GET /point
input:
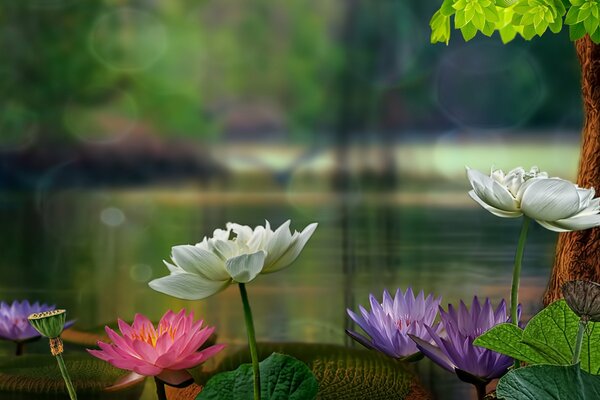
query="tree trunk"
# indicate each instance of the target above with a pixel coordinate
(578, 253)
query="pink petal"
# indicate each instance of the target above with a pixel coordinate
(147, 369)
(125, 328)
(198, 358)
(145, 351)
(142, 322)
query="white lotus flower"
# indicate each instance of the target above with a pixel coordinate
(236, 254)
(556, 204)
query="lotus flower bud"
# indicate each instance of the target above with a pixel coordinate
(49, 323)
(583, 297)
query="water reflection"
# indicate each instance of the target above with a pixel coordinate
(93, 252)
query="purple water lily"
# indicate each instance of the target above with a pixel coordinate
(14, 325)
(456, 351)
(389, 323)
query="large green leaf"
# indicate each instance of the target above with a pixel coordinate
(282, 377)
(343, 373)
(548, 338)
(549, 382)
(38, 377)
(506, 339)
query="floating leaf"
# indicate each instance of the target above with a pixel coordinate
(281, 377)
(343, 373)
(548, 338)
(549, 382)
(38, 377)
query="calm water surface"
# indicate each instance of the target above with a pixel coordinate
(93, 252)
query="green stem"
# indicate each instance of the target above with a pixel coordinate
(66, 377)
(251, 340)
(514, 293)
(578, 342)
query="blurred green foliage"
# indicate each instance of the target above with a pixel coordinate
(100, 69)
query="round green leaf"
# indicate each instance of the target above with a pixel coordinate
(343, 373)
(281, 377)
(38, 377)
(549, 382)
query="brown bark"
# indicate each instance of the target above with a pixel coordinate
(578, 253)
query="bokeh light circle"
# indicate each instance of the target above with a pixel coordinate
(102, 123)
(489, 86)
(141, 273)
(128, 39)
(112, 216)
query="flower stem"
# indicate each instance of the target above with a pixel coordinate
(251, 340)
(514, 294)
(66, 377)
(161, 393)
(481, 390)
(20, 348)
(578, 342)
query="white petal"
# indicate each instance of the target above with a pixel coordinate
(493, 210)
(174, 269)
(550, 199)
(293, 251)
(278, 244)
(187, 286)
(225, 249)
(578, 223)
(196, 260)
(551, 226)
(243, 232)
(244, 268)
(491, 192)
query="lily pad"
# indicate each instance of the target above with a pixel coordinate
(282, 377)
(550, 382)
(38, 377)
(342, 373)
(548, 338)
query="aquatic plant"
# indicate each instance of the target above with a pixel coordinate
(163, 352)
(236, 254)
(456, 352)
(15, 326)
(50, 324)
(388, 324)
(556, 204)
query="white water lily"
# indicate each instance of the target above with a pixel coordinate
(236, 254)
(556, 204)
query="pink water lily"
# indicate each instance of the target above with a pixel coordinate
(171, 346)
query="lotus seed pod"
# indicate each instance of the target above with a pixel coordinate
(49, 323)
(583, 297)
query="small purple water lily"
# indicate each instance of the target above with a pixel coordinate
(14, 325)
(389, 323)
(456, 351)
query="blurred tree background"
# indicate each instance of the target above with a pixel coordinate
(97, 70)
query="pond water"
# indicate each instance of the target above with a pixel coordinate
(93, 252)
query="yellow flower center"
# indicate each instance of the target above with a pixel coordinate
(150, 335)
